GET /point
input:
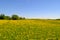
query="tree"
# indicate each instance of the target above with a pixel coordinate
(7, 17)
(15, 17)
(22, 17)
(2, 16)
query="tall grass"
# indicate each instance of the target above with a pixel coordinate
(29, 30)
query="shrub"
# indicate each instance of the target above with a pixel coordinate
(7, 17)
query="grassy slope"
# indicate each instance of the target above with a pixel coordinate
(29, 29)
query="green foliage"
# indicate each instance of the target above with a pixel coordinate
(2, 16)
(57, 19)
(15, 17)
(7, 17)
(22, 17)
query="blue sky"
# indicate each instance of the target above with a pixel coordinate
(31, 8)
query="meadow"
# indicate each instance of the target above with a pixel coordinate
(29, 29)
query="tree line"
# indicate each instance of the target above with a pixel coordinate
(13, 17)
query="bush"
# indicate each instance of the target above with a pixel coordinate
(57, 19)
(7, 17)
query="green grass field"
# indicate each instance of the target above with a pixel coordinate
(29, 30)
